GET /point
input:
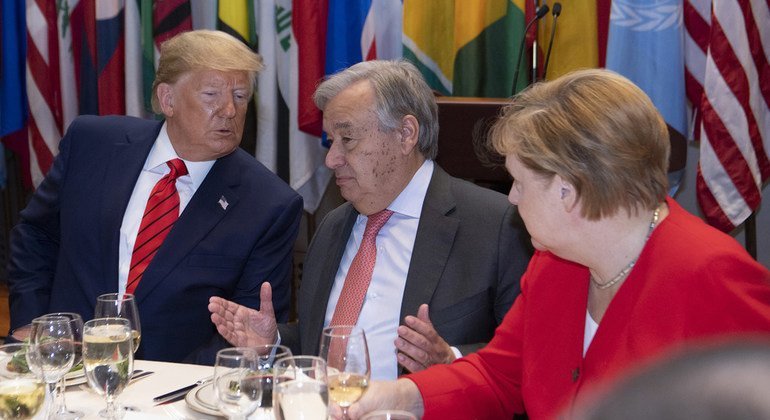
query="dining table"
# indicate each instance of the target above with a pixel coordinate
(138, 396)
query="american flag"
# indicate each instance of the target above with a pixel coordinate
(728, 82)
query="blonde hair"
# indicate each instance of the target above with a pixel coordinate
(203, 50)
(598, 131)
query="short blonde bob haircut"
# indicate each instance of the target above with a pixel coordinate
(203, 50)
(596, 130)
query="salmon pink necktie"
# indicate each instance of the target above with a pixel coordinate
(360, 273)
(161, 213)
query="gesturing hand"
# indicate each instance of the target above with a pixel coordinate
(419, 345)
(242, 326)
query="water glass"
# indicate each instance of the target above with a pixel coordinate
(300, 389)
(237, 383)
(60, 410)
(120, 305)
(51, 353)
(267, 355)
(108, 360)
(22, 393)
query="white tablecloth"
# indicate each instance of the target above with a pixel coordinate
(139, 395)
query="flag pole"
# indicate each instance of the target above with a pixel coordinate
(750, 228)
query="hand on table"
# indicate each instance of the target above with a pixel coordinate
(401, 394)
(242, 326)
(419, 345)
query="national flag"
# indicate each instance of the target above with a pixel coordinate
(236, 17)
(465, 48)
(45, 118)
(68, 80)
(577, 39)
(13, 99)
(281, 146)
(735, 128)
(645, 44)
(697, 20)
(309, 23)
(110, 53)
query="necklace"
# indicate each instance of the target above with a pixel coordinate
(624, 272)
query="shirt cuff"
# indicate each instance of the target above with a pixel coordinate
(457, 353)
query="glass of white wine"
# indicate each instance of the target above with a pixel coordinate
(108, 360)
(22, 392)
(300, 389)
(120, 305)
(347, 359)
(51, 353)
(237, 382)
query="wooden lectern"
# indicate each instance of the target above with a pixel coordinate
(461, 120)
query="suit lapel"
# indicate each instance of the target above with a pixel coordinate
(125, 164)
(432, 245)
(202, 213)
(340, 230)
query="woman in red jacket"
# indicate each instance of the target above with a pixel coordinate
(622, 274)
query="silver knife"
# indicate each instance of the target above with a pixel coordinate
(178, 394)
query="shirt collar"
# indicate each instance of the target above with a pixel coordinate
(162, 151)
(409, 202)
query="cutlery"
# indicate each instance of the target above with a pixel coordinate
(139, 375)
(178, 394)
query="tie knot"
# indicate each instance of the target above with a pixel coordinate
(178, 168)
(376, 221)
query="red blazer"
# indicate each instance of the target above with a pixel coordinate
(690, 283)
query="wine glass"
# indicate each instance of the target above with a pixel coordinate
(120, 305)
(267, 355)
(108, 359)
(347, 359)
(300, 388)
(237, 383)
(51, 353)
(22, 393)
(60, 405)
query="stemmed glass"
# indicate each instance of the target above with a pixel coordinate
(51, 353)
(120, 305)
(347, 358)
(22, 393)
(108, 359)
(237, 383)
(300, 388)
(267, 355)
(60, 405)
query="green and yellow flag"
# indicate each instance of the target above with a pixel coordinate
(465, 48)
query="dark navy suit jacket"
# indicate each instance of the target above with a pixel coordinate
(64, 251)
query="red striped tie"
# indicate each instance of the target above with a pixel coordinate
(159, 216)
(360, 273)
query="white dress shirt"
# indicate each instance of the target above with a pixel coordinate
(153, 170)
(382, 305)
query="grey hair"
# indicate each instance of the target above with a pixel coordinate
(399, 90)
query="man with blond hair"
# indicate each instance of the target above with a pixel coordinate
(171, 211)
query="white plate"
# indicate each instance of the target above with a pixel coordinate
(203, 400)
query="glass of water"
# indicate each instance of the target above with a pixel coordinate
(300, 389)
(237, 383)
(108, 360)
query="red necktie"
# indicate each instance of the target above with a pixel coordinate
(360, 273)
(159, 216)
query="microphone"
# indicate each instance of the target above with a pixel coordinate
(556, 12)
(539, 13)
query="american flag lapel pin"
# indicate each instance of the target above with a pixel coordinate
(223, 202)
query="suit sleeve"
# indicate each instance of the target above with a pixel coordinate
(513, 251)
(34, 244)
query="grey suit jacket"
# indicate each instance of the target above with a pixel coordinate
(470, 251)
